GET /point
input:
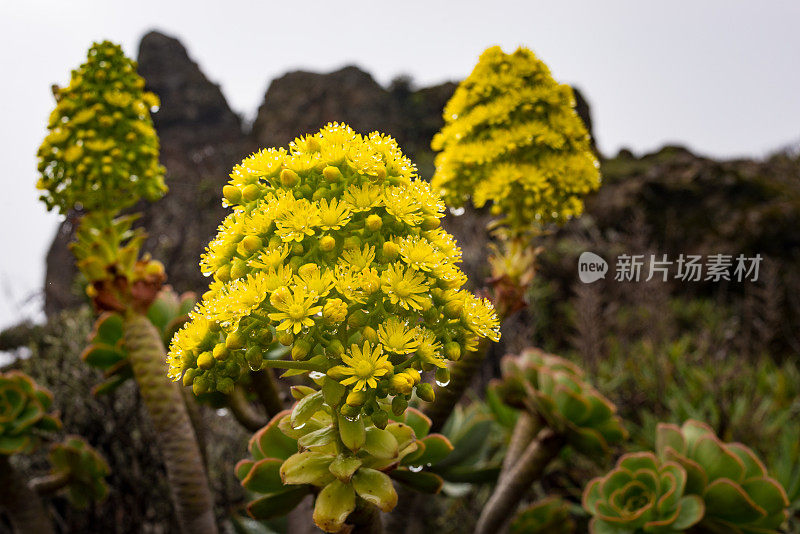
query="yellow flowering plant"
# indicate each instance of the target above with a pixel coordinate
(101, 151)
(100, 156)
(334, 248)
(512, 138)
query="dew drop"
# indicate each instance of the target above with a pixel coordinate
(315, 375)
(299, 427)
(442, 383)
(415, 468)
(457, 212)
(351, 418)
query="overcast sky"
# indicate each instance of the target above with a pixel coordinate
(719, 76)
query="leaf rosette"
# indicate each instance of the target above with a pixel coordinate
(554, 389)
(740, 497)
(642, 494)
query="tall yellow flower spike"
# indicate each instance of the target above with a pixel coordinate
(101, 152)
(333, 247)
(512, 138)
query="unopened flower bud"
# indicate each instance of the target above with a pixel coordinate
(399, 405)
(327, 243)
(285, 338)
(425, 392)
(332, 174)
(280, 296)
(370, 334)
(234, 340)
(205, 360)
(453, 308)
(251, 192)
(232, 194)
(220, 351)
(289, 178)
(380, 419)
(430, 222)
(334, 311)
(300, 349)
(374, 222)
(356, 398)
(390, 250)
(251, 243)
(452, 351)
(254, 357)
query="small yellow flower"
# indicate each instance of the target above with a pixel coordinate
(401, 205)
(479, 316)
(313, 281)
(419, 253)
(428, 349)
(299, 222)
(333, 215)
(405, 287)
(295, 310)
(365, 366)
(396, 337)
(362, 198)
(359, 259)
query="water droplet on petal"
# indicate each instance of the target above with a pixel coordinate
(415, 468)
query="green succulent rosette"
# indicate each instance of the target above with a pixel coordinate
(547, 516)
(554, 389)
(83, 467)
(101, 152)
(642, 494)
(346, 463)
(512, 138)
(24, 416)
(334, 248)
(740, 497)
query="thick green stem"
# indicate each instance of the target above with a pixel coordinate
(524, 432)
(267, 392)
(174, 433)
(244, 412)
(291, 364)
(511, 488)
(366, 519)
(461, 374)
(23, 506)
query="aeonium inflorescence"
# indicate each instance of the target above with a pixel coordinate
(512, 138)
(334, 247)
(101, 152)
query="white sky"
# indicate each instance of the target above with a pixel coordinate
(720, 76)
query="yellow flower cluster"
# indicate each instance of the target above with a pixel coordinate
(512, 137)
(101, 151)
(333, 247)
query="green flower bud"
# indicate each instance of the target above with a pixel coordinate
(289, 178)
(356, 398)
(234, 340)
(220, 351)
(380, 419)
(335, 348)
(425, 392)
(332, 174)
(358, 319)
(350, 411)
(374, 222)
(399, 405)
(251, 243)
(327, 243)
(225, 386)
(232, 194)
(390, 250)
(453, 309)
(370, 334)
(452, 351)
(254, 357)
(300, 349)
(251, 192)
(205, 360)
(430, 222)
(285, 338)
